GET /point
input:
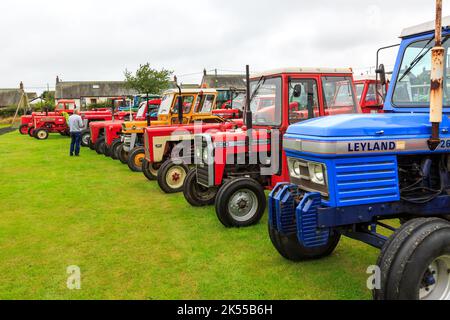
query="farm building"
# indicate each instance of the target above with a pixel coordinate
(223, 81)
(11, 97)
(91, 92)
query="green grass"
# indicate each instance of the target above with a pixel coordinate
(131, 241)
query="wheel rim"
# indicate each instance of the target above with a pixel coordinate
(175, 177)
(23, 129)
(436, 281)
(86, 139)
(243, 205)
(41, 134)
(138, 159)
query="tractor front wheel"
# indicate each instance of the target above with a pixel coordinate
(290, 248)
(122, 154)
(23, 129)
(171, 176)
(415, 262)
(150, 170)
(240, 202)
(31, 131)
(100, 145)
(135, 158)
(113, 148)
(196, 194)
(85, 138)
(41, 134)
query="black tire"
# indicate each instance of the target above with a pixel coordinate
(135, 159)
(171, 176)
(122, 155)
(107, 152)
(291, 249)
(40, 134)
(23, 129)
(406, 259)
(150, 170)
(247, 187)
(113, 148)
(197, 195)
(85, 138)
(99, 145)
(31, 131)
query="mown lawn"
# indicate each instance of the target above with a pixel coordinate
(131, 241)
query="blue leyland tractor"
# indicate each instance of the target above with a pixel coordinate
(351, 174)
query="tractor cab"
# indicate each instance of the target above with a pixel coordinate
(351, 174)
(65, 106)
(233, 168)
(370, 94)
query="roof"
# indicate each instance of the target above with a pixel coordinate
(302, 70)
(79, 89)
(224, 81)
(32, 95)
(187, 90)
(424, 27)
(365, 77)
(10, 97)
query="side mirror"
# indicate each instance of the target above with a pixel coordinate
(297, 90)
(382, 72)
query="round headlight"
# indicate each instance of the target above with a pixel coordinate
(296, 168)
(317, 173)
(205, 155)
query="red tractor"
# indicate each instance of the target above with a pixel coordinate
(104, 135)
(234, 168)
(370, 94)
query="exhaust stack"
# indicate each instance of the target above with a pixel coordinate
(437, 81)
(248, 111)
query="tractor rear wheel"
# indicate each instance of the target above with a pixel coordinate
(196, 194)
(150, 170)
(171, 176)
(116, 143)
(31, 131)
(85, 138)
(41, 134)
(135, 158)
(240, 202)
(415, 262)
(23, 129)
(122, 154)
(100, 145)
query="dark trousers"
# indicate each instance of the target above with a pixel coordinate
(75, 143)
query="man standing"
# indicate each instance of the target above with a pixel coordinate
(76, 126)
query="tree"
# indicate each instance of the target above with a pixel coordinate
(148, 80)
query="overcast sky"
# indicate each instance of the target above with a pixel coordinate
(98, 40)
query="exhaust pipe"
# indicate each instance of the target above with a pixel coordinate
(437, 81)
(248, 111)
(180, 101)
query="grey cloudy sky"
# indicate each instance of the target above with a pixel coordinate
(97, 40)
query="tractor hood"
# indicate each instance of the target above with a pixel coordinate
(364, 125)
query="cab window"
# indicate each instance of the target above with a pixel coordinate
(208, 102)
(339, 96)
(188, 102)
(303, 100)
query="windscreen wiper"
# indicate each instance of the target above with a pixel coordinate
(258, 86)
(417, 59)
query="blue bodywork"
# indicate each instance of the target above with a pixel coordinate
(360, 154)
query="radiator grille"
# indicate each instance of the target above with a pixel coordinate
(366, 180)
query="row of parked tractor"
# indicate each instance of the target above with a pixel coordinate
(334, 160)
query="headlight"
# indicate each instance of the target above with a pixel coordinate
(317, 173)
(205, 155)
(294, 168)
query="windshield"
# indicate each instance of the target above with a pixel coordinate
(166, 104)
(266, 104)
(339, 97)
(412, 88)
(359, 90)
(141, 111)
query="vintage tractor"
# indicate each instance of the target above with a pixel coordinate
(197, 105)
(233, 168)
(370, 94)
(104, 136)
(351, 173)
(95, 116)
